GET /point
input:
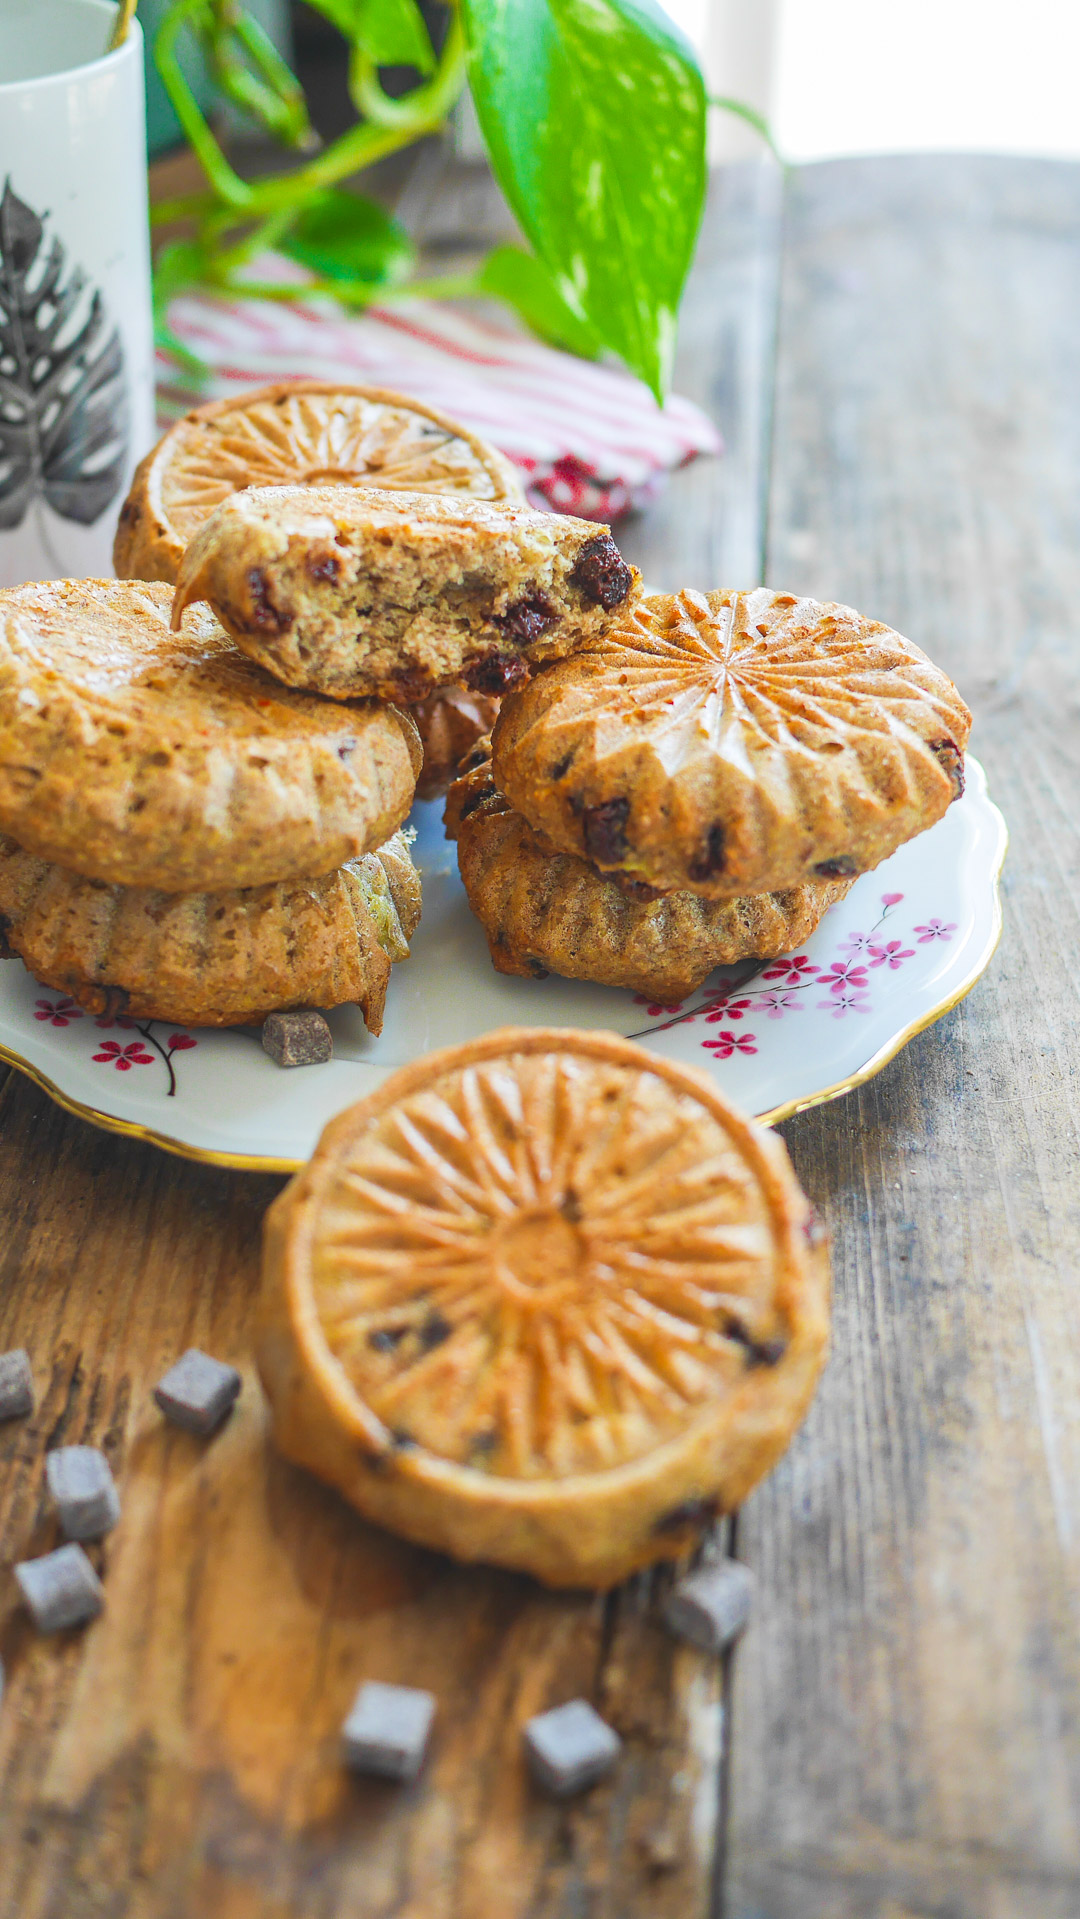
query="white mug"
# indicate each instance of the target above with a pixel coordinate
(76, 334)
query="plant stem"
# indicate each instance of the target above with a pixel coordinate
(226, 183)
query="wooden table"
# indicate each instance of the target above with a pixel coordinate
(894, 356)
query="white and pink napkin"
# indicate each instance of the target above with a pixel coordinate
(588, 439)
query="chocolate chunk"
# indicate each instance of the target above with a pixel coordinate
(495, 673)
(7, 951)
(346, 748)
(387, 1730)
(843, 869)
(692, 1512)
(83, 1491)
(264, 613)
(604, 827)
(601, 574)
(712, 860)
(198, 1392)
(525, 621)
(951, 761)
(570, 1747)
(480, 755)
(16, 1384)
(535, 966)
(297, 1039)
(710, 1607)
(562, 767)
(324, 566)
(60, 1589)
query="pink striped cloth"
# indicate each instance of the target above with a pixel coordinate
(588, 439)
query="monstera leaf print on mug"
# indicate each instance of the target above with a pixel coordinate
(76, 335)
(64, 413)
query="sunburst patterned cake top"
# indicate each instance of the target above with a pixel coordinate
(730, 743)
(547, 1265)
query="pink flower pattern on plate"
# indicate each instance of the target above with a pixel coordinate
(843, 976)
(794, 971)
(775, 1005)
(936, 930)
(59, 1012)
(843, 1002)
(892, 955)
(653, 1008)
(725, 1044)
(723, 1008)
(124, 1057)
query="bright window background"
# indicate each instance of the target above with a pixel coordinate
(878, 76)
(893, 76)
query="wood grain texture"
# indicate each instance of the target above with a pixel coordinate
(180, 1758)
(906, 1709)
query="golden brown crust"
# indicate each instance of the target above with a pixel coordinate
(732, 743)
(148, 758)
(545, 1300)
(450, 724)
(294, 432)
(548, 912)
(212, 959)
(358, 590)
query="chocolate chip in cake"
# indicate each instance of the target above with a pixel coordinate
(528, 619)
(264, 613)
(712, 860)
(842, 869)
(692, 1512)
(951, 761)
(495, 673)
(604, 828)
(324, 567)
(601, 573)
(482, 793)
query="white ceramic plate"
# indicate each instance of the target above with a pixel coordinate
(907, 943)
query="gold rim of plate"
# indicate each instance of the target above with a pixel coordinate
(265, 1163)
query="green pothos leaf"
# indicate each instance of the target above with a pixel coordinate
(594, 115)
(391, 32)
(348, 238)
(525, 283)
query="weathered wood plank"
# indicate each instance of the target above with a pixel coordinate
(906, 1715)
(180, 1758)
(706, 529)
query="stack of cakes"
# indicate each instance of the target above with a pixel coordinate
(182, 838)
(316, 433)
(697, 785)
